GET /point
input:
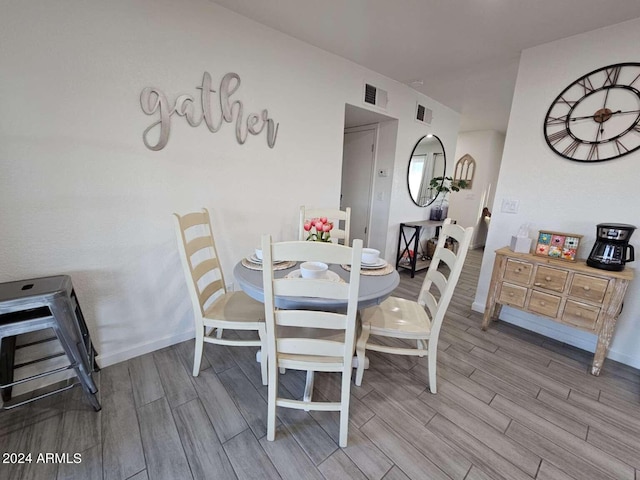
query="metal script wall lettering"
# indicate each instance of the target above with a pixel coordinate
(154, 101)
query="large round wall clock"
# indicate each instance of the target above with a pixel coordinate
(597, 117)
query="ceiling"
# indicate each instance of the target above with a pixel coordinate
(462, 53)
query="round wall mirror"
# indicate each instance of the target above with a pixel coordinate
(426, 162)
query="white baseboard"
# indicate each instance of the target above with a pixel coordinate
(477, 307)
(556, 331)
(142, 348)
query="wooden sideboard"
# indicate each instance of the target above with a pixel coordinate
(570, 293)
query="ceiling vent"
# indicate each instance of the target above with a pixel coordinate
(375, 96)
(423, 114)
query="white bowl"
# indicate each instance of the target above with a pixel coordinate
(259, 253)
(370, 255)
(313, 269)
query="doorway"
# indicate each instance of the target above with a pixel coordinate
(367, 176)
(358, 166)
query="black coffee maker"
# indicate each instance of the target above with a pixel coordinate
(612, 250)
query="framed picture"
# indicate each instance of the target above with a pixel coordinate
(563, 246)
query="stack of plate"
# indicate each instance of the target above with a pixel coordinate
(380, 263)
(253, 259)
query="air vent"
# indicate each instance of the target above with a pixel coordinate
(423, 114)
(375, 96)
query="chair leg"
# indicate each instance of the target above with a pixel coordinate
(344, 406)
(272, 396)
(219, 332)
(361, 347)
(431, 361)
(264, 366)
(197, 355)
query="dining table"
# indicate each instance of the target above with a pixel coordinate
(376, 284)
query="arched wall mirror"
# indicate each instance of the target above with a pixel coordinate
(427, 160)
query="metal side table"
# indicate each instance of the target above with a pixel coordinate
(408, 247)
(38, 304)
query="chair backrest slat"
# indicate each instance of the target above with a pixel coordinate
(199, 243)
(306, 346)
(204, 267)
(311, 319)
(299, 287)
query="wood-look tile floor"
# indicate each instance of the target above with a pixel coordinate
(510, 405)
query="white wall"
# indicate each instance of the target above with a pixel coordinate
(80, 194)
(486, 147)
(559, 194)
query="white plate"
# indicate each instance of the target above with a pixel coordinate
(253, 259)
(379, 264)
(329, 275)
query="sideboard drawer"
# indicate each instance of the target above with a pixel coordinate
(550, 278)
(512, 295)
(544, 304)
(588, 288)
(580, 314)
(519, 272)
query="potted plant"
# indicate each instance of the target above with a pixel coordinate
(442, 186)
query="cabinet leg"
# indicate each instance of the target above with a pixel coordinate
(490, 313)
(604, 340)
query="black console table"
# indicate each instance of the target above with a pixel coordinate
(405, 244)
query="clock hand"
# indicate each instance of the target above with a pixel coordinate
(619, 112)
(604, 105)
(573, 119)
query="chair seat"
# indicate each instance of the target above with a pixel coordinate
(398, 317)
(237, 308)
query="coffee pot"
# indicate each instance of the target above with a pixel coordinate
(612, 250)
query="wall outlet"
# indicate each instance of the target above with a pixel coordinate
(509, 205)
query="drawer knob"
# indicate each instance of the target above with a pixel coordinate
(518, 270)
(578, 314)
(548, 279)
(586, 288)
(542, 304)
(511, 294)
(538, 284)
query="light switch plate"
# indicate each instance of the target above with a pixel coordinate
(509, 205)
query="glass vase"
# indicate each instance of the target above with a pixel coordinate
(439, 211)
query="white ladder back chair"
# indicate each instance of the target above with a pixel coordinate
(339, 233)
(215, 309)
(310, 340)
(419, 321)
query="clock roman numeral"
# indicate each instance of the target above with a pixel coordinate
(593, 152)
(618, 145)
(557, 120)
(612, 75)
(571, 149)
(558, 136)
(571, 103)
(586, 84)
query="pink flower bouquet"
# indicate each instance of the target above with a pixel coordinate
(319, 229)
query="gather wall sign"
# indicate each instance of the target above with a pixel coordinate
(155, 102)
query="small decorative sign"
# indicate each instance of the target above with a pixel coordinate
(155, 102)
(558, 245)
